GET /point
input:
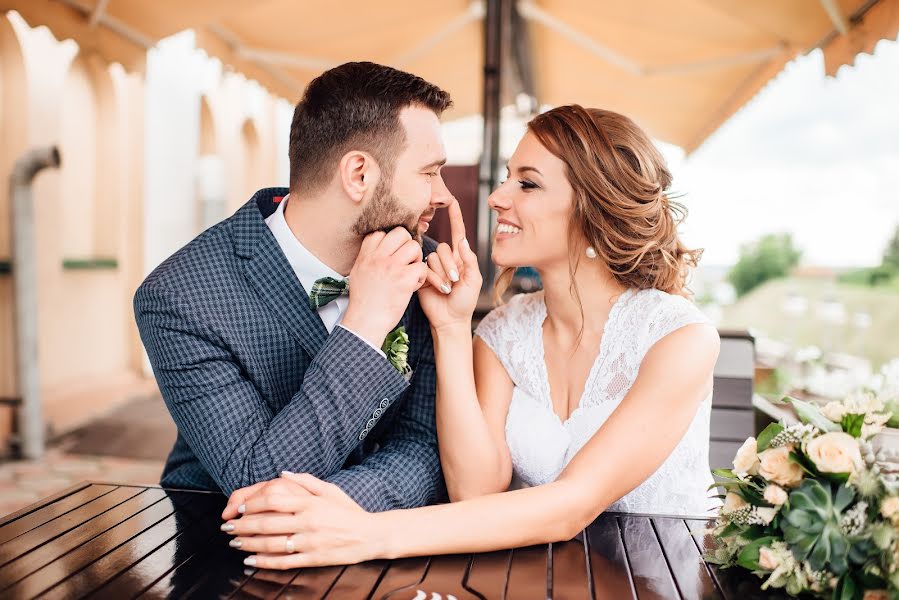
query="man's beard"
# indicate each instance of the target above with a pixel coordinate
(384, 213)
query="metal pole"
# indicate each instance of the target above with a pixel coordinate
(493, 46)
(24, 272)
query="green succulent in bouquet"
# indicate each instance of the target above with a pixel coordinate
(813, 525)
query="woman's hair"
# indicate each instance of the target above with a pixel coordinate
(621, 203)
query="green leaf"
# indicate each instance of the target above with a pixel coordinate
(724, 473)
(767, 434)
(749, 556)
(845, 496)
(846, 589)
(811, 414)
(852, 424)
(804, 463)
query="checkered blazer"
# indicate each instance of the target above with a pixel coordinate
(256, 385)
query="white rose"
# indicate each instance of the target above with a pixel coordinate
(766, 514)
(775, 465)
(768, 559)
(834, 452)
(747, 460)
(890, 507)
(774, 494)
(833, 411)
(733, 502)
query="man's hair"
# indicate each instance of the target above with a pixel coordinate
(355, 106)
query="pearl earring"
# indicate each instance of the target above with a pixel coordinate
(591, 253)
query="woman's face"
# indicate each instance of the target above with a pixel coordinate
(533, 208)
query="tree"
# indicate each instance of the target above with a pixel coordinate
(770, 257)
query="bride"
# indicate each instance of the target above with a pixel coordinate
(593, 394)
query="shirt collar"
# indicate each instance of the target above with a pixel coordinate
(307, 267)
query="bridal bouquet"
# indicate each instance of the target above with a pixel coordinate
(814, 507)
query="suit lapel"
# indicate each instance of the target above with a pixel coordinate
(267, 270)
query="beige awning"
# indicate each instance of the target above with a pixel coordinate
(680, 68)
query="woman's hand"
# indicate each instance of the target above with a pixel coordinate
(284, 529)
(454, 279)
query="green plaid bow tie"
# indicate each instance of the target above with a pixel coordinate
(326, 289)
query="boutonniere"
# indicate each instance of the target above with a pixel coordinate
(396, 347)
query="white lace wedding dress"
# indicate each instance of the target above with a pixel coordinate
(541, 444)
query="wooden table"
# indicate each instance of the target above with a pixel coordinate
(124, 541)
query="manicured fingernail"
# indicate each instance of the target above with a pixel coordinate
(242, 508)
(235, 543)
(446, 288)
(465, 242)
(249, 572)
(286, 472)
(250, 561)
(227, 527)
(454, 275)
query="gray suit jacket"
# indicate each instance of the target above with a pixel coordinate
(256, 385)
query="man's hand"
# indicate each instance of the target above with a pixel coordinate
(387, 272)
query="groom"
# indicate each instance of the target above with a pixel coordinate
(265, 332)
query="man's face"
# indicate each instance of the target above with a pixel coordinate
(409, 196)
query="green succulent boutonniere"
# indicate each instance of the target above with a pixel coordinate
(396, 347)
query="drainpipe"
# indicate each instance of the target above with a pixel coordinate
(24, 272)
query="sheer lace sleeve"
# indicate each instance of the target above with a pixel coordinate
(670, 314)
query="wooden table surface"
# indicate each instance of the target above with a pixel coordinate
(123, 541)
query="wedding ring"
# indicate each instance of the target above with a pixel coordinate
(288, 545)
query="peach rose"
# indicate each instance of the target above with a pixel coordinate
(834, 452)
(774, 494)
(767, 558)
(747, 460)
(733, 502)
(775, 465)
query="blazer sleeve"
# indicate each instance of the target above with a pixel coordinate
(405, 471)
(227, 423)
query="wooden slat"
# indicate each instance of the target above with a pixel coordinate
(488, 574)
(609, 570)
(104, 557)
(308, 583)
(693, 578)
(148, 555)
(569, 571)
(652, 578)
(402, 575)
(446, 576)
(358, 581)
(528, 573)
(5, 520)
(266, 584)
(31, 551)
(37, 517)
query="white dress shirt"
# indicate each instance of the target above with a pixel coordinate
(308, 268)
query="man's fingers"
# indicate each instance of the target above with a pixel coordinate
(394, 240)
(371, 241)
(409, 253)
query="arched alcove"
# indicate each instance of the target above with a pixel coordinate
(253, 175)
(88, 202)
(210, 176)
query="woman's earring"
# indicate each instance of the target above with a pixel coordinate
(591, 253)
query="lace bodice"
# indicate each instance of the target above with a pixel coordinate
(541, 445)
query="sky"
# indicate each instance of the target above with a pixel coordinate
(811, 155)
(814, 156)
